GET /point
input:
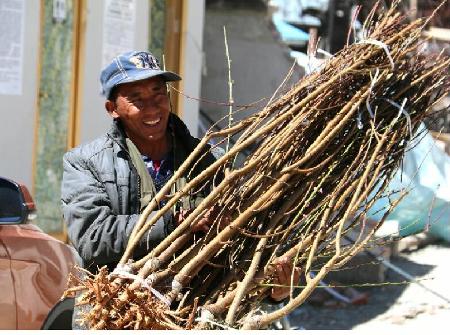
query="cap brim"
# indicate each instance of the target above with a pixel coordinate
(142, 75)
(166, 75)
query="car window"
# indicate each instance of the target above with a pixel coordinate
(10, 202)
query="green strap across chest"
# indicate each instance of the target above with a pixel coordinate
(148, 190)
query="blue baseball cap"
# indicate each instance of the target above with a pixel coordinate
(132, 66)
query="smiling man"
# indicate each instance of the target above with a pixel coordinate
(108, 182)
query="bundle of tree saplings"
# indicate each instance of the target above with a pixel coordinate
(321, 155)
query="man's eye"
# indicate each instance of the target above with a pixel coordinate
(137, 103)
(154, 99)
(159, 88)
(160, 94)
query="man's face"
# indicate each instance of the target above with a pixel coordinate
(143, 108)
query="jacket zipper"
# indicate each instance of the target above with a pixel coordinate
(138, 201)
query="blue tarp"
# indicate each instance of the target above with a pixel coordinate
(425, 173)
(288, 33)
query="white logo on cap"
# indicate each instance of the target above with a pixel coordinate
(144, 61)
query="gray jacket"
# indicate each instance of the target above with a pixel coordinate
(101, 196)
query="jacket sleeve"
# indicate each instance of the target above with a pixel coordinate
(98, 234)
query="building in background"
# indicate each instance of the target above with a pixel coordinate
(51, 55)
(259, 62)
(52, 52)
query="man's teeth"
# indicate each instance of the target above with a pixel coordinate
(153, 122)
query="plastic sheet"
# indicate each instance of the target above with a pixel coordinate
(425, 173)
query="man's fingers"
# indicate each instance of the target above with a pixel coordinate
(201, 225)
(212, 212)
(208, 219)
(287, 269)
(284, 270)
(283, 275)
(181, 215)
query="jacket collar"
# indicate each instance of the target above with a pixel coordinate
(117, 134)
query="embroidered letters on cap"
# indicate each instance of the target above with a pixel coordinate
(143, 60)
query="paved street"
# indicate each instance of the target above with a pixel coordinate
(392, 307)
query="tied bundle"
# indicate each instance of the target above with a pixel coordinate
(321, 155)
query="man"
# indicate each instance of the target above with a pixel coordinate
(109, 181)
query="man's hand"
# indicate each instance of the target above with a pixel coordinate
(205, 222)
(283, 275)
(181, 215)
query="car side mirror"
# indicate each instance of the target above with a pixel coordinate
(16, 203)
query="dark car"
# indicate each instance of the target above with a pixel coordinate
(34, 266)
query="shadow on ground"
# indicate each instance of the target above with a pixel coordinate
(344, 316)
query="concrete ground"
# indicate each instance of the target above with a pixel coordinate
(392, 307)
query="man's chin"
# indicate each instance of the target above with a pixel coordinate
(155, 137)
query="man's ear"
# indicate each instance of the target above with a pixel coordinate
(110, 107)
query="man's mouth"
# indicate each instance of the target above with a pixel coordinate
(152, 122)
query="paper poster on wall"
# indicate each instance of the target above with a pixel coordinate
(12, 26)
(119, 22)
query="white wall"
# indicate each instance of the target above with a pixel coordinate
(192, 62)
(93, 119)
(18, 112)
